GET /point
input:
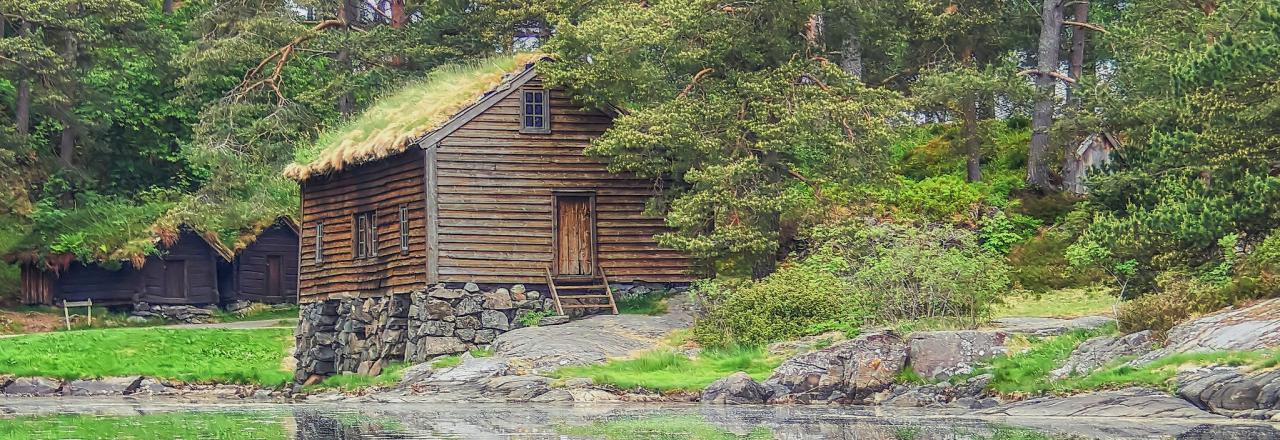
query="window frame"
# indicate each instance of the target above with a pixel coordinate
(404, 229)
(529, 110)
(364, 235)
(319, 252)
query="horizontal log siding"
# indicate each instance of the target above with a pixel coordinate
(251, 266)
(383, 186)
(495, 193)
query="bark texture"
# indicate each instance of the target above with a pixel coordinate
(1042, 118)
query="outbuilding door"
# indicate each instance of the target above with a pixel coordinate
(575, 250)
(275, 276)
(175, 278)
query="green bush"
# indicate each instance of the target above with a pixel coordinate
(1178, 297)
(1040, 265)
(858, 274)
(781, 306)
(940, 198)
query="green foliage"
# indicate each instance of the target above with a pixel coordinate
(1028, 371)
(942, 198)
(1000, 232)
(859, 275)
(532, 319)
(104, 229)
(739, 147)
(350, 382)
(448, 361)
(652, 304)
(190, 355)
(663, 370)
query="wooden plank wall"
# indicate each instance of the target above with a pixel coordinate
(202, 273)
(79, 282)
(495, 198)
(334, 199)
(251, 266)
(37, 285)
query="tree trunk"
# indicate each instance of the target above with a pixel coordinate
(1071, 172)
(346, 100)
(167, 7)
(813, 32)
(67, 141)
(22, 108)
(398, 19)
(969, 113)
(1042, 118)
(851, 55)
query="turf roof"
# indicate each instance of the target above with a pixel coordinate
(394, 122)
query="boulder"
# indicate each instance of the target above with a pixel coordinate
(469, 322)
(468, 305)
(1231, 391)
(33, 386)
(1129, 402)
(495, 320)
(436, 328)
(446, 294)
(485, 336)
(471, 287)
(736, 389)
(942, 354)
(553, 320)
(436, 310)
(1254, 327)
(466, 334)
(152, 386)
(473, 369)
(498, 300)
(848, 370)
(432, 346)
(1099, 351)
(111, 386)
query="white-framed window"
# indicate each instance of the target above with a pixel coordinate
(364, 234)
(404, 229)
(319, 242)
(535, 111)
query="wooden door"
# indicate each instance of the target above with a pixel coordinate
(275, 276)
(175, 279)
(575, 252)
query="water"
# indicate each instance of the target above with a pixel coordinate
(124, 419)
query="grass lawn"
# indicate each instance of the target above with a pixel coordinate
(664, 370)
(190, 355)
(258, 312)
(1027, 371)
(651, 305)
(1065, 303)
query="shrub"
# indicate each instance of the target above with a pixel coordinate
(998, 233)
(783, 305)
(1178, 297)
(940, 198)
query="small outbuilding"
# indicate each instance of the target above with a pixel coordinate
(1092, 153)
(266, 269)
(185, 271)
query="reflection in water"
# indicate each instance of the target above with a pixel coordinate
(133, 420)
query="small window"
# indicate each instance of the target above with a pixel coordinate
(404, 229)
(364, 235)
(319, 242)
(534, 114)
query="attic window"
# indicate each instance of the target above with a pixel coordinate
(534, 114)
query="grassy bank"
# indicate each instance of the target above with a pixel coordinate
(228, 426)
(190, 355)
(664, 370)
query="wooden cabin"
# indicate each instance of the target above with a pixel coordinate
(495, 191)
(185, 272)
(265, 270)
(1092, 154)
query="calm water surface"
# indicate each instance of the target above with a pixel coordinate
(58, 419)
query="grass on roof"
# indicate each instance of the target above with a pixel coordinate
(387, 126)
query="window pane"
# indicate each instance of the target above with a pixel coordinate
(528, 96)
(529, 109)
(537, 96)
(537, 122)
(528, 121)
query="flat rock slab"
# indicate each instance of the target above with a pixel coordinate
(1101, 350)
(1129, 402)
(1254, 327)
(942, 354)
(472, 369)
(33, 386)
(590, 340)
(111, 386)
(1038, 326)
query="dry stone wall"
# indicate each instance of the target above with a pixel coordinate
(363, 335)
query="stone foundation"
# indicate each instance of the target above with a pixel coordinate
(182, 313)
(362, 335)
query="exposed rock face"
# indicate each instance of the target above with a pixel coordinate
(847, 371)
(942, 354)
(1129, 402)
(1229, 391)
(736, 389)
(1101, 350)
(1038, 326)
(970, 394)
(1248, 328)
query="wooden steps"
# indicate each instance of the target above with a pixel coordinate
(582, 292)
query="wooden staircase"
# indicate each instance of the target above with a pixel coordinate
(591, 292)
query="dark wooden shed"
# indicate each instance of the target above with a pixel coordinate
(266, 270)
(496, 191)
(185, 272)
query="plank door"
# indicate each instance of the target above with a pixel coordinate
(275, 276)
(575, 250)
(175, 278)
